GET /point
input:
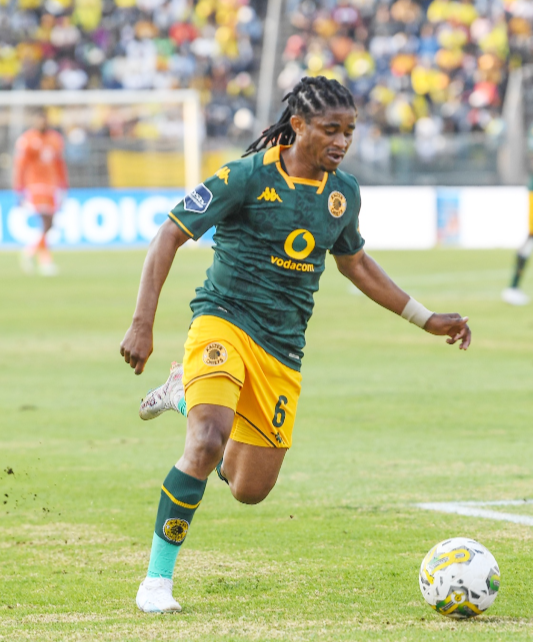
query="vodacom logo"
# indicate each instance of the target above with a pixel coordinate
(298, 238)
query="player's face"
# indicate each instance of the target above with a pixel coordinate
(40, 122)
(326, 138)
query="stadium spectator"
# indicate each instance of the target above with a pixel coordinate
(442, 62)
(40, 179)
(136, 44)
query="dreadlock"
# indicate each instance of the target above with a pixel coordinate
(310, 97)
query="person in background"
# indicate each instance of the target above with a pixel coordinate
(40, 179)
(513, 294)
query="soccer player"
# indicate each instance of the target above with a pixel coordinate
(277, 212)
(513, 294)
(40, 178)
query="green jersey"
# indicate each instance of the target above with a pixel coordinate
(272, 234)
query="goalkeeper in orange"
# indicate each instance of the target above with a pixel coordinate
(40, 179)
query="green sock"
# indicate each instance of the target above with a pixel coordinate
(182, 406)
(519, 269)
(181, 495)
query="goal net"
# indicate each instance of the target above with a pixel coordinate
(130, 155)
(113, 138)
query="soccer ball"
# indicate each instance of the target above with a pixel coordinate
(459, 578)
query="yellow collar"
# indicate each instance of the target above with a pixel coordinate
(273, 154)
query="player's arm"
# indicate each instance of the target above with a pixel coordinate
(19, 165)
(207, 205)
(372, 280)
(61, 165)
(137, 345)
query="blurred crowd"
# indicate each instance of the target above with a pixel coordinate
(137, 44)
(429, 67)
(425, 66)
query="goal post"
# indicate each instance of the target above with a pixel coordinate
(515, 159)
(16, 102)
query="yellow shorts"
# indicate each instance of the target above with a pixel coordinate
(224, 366)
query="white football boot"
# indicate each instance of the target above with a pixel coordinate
(48, 269)
(514, 296)
(169, 396)
(155, 596)
(27, 262)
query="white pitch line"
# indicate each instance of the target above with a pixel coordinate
(467, 509)
(499, 502)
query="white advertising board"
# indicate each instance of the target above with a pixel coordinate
(395, 218)
(491, 217)
(392, 218)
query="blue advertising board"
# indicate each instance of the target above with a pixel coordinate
(114, 218)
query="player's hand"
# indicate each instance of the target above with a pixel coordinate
(137, 345)
(453, 325)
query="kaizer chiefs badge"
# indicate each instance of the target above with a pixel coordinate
(175, 530)
(336, 204)
(215, 354)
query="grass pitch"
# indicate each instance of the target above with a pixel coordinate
(388, 417)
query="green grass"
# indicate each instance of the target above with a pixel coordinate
(389, 416)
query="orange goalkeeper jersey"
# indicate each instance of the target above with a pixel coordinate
(40, 169)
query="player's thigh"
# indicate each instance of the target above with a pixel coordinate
(266, 412)
(213, 376)
(47, 221)
(212, 353)
(252, 471)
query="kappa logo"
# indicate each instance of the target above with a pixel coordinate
(215, 354)
(270, 195)
(175, 530)
(223, 174)
(337, 204)
(198, 200)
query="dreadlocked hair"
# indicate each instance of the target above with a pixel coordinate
(310, 97)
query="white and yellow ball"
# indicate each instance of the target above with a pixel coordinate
(459, 578)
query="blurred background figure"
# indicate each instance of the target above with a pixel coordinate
(513, 294)
(40, 179)
(430, 77)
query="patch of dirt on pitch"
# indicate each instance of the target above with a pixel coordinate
(204, 563)
(64, 618)
(515, 532)
(198, 563)
(57, 533)
(144, 627)
(130, 556)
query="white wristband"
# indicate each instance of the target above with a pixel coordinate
(416, 313)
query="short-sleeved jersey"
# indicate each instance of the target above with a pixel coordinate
(272, 234)
(39, 160)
